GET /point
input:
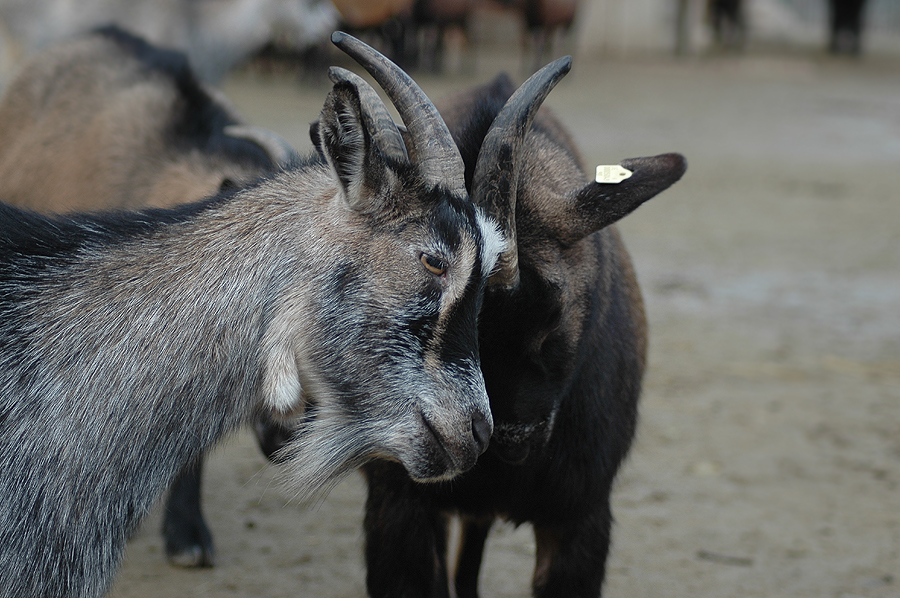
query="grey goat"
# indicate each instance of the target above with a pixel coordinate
(127, 124)
(345, 288)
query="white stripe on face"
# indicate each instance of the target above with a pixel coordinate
(493, 242)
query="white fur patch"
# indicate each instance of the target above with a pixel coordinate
(493, 242)
(282, 390)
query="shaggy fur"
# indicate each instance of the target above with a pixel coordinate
(132, 342)
(126, 124)
(563, 356)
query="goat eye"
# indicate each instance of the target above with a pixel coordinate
(435, 265)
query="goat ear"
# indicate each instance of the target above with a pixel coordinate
(342, 138)
(597, 205)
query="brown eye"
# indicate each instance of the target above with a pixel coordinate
(433, 264)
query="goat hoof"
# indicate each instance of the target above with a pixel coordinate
(192, 557)
(188, 543)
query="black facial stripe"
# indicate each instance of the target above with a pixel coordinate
(423, 317)
(453, 214)
(461, 334)
(446, 224)
(459, 337)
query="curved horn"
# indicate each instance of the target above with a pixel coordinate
(497, 169)
(375, 115)
(280, 152)
(437, 156)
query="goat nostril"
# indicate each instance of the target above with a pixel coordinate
(481, 430)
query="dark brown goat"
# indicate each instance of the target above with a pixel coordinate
(563, 341)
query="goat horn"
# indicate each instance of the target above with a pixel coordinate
(280, 152)
(375, 114)
(497, 169)
(437, 156)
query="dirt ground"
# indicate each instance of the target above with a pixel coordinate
(767, 462)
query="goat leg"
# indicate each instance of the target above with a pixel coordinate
(571, 557)
(406, 540)
(187, 538)
(474, 533)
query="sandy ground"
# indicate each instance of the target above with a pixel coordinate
(768, 457)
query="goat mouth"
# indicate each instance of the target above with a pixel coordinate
(438, 441)
(512, 443)
(442, 458)
(510, 453)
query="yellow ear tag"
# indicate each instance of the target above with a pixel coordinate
(612, 174)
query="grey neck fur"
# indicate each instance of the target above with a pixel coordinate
(147, 347)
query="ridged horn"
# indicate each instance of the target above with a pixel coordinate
(496, 178)
(438, 159)
(280, 152)
(375, 115)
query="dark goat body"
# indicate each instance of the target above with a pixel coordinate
(131, 342)
(563, 357)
